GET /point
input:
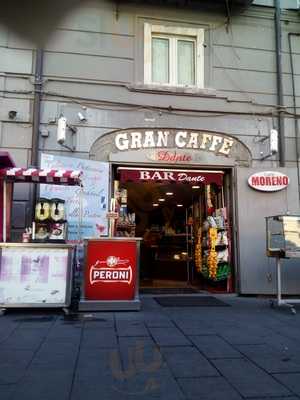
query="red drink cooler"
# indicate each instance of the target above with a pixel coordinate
(111, 274)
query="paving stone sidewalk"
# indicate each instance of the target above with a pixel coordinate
(245, 351)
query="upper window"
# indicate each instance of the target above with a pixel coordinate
(173, 56)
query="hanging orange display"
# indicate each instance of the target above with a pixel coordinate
(212, 259)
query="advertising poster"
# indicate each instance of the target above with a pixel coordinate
(95, 180)
(33, 276)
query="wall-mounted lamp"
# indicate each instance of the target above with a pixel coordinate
(61, 134)
(273, 145)
(274, 141)
(81, 117)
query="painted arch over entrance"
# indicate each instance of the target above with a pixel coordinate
(167, 146)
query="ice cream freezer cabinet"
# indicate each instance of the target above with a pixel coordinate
(283, 242)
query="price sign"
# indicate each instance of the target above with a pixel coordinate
(112, 215)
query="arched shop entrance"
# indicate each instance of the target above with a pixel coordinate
(174, 188)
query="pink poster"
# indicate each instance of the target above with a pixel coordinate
(35, 269)
(5, 269)
(33, 275)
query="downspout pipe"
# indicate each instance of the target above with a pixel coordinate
(38, 86)
(280, 100)
(296, 122)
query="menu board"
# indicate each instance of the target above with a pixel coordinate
(33, 275)
(291, 226)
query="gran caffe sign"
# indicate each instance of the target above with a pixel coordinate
(170, 146)
(160, 139)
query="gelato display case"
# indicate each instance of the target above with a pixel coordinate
(283, 241)
(37, 272)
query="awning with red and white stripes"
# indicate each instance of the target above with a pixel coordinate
(34, 175)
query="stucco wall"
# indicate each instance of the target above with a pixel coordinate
(94, 58)
(256, 271)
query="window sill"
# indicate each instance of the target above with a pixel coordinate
(178, 90)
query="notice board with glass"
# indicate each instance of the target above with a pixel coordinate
(35, 275)
(283, 236)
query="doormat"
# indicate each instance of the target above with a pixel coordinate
(149, 290)
(190, 301)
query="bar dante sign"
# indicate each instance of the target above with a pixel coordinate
(268, 181)
(171, 176)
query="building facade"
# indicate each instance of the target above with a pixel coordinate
(127, 68)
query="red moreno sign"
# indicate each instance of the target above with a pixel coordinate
(268, 181)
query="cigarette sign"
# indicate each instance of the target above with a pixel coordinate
(110, 269)
(268, 181)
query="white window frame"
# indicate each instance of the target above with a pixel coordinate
(174, 34)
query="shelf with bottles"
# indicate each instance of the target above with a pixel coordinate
(178, 235)
(124, 229)
(125, 233)
(125, 224)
